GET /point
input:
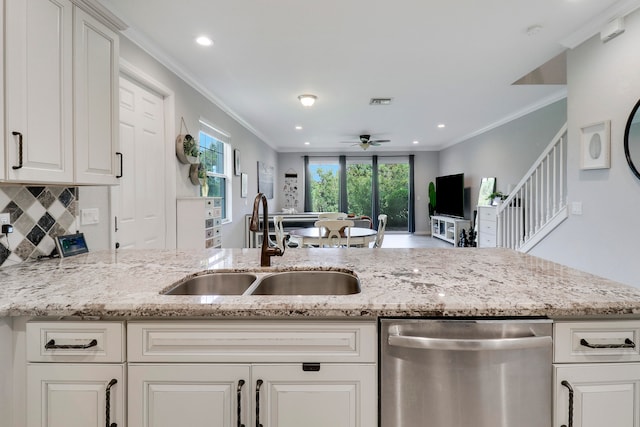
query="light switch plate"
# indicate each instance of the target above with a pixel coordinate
(576, 208)
(5, 218)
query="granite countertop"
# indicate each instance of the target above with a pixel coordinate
(395, 282)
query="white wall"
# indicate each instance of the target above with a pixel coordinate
(506, 152)
(603, 84)
(426, 168)
(191, 105)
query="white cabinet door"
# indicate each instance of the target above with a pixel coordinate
(336, 395)
(75, 395)
(96, 84)
(196, 395)
(39, 90)
(604, 394)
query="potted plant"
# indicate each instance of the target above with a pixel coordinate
(432, 198)
(187, 149)
(204, 182)
(497, 197)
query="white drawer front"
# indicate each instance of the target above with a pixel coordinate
(487, 227)
(487, 241)
(604, 341)
(487, 214)
(250, 341)
(99, 342)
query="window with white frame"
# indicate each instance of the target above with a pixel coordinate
(215, 157)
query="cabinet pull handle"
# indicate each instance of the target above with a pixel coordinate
(121, 163)
(567, 385)
(52, 345)
(108, 403)
(19, 134)
(627, 344)
(258, 385)
(239, 393)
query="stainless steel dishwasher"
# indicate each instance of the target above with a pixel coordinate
(463, 373)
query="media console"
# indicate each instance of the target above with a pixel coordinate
(447, 228)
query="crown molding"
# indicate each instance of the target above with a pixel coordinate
(100, 11)
(593, 27)
(554, 97)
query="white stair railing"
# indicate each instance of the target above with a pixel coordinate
(539, 202)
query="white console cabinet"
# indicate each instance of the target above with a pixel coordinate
(199, 222)
(597, 373)
(447, 228)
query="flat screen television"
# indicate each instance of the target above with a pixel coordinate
(450, 195)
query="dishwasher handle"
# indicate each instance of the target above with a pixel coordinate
(425, 343)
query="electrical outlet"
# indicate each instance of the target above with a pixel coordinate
(5, 218)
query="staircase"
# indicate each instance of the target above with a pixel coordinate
(538, 203)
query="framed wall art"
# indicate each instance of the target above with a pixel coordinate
(595, 146)
(265, 179)
(236, 162)
(244, 184)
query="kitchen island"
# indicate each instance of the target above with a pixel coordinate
(395, 282)
(185, 359)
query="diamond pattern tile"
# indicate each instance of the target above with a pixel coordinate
(38, 215)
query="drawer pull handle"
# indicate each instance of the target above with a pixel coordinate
(52, 345)
(568, 386)
(239, 398)
(108, 403)
(627, 344)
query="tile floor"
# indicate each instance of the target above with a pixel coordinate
(405, 240)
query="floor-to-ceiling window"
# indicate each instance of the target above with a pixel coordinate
(373, 185)
(393, 191)
(359, 174)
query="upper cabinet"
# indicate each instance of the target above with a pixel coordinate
(39, 90)
(60, 94)
(96, 100)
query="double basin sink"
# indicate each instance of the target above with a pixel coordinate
(304, 282)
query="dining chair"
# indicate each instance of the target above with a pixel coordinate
(332, 215)
(281, 236)
(336, 231)
(382, 225)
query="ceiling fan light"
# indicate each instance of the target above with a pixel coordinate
(307, 100)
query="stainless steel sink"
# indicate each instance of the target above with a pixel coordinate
(220, 283)
(308, 283)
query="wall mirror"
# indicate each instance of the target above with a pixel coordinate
(632, 140)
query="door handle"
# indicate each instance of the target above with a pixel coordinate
(258, 385)
(568, 386)
(19, 135)
(239, 398)
(108, 403)
(121, 164)
(468, 344)
(51, 344)
(627, 344)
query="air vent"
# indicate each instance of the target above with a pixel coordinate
(380, 101)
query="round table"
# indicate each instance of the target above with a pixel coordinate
(311, 236)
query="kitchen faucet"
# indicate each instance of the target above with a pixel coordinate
(267, 250)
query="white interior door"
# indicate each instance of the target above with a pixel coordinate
(139, 200)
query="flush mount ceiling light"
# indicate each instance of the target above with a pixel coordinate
(307, 100)
(204, 41)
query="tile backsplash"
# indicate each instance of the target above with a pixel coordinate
(38, 214)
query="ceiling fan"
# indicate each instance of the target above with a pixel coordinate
(366, 142)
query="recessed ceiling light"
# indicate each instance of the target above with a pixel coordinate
(204, 41)
(307, 100)
(306, 143)
(298, 127)
(416, 142)
(441, 125)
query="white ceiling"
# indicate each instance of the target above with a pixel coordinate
(450, 62)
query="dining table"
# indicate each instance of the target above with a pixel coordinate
(311, 236)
